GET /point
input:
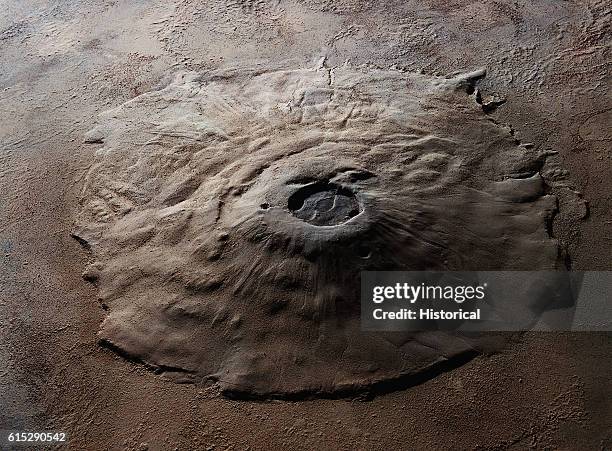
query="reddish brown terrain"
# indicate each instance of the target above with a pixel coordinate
(64, 62)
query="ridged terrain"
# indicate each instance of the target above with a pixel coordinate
(230, 214)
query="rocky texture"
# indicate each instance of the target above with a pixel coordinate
(231, 213)
(63, 62)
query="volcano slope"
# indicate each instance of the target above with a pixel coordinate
(229, 216)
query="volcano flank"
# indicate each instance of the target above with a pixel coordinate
(229, 216)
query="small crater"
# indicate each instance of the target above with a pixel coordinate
(364, 251)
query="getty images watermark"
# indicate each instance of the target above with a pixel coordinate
(411, 294)
(486, 301)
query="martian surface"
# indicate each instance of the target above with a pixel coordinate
(232, 212)
(190, 190)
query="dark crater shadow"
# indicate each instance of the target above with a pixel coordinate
(324, 204)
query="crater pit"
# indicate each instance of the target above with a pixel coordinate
(324, 204)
